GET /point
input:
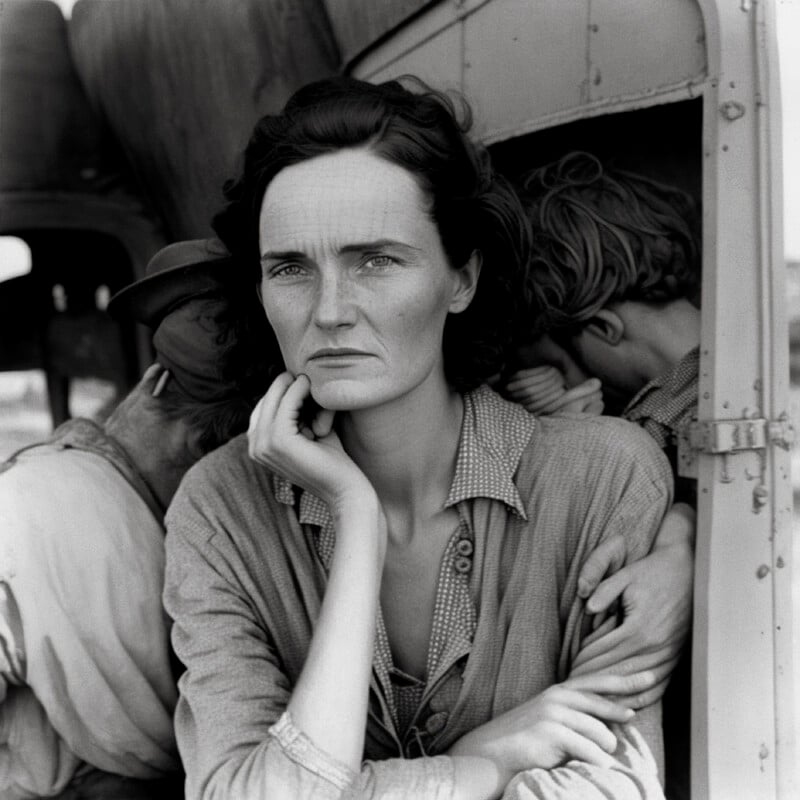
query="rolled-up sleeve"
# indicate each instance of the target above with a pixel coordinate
(234, 734)
(634, 777)
(635, 496)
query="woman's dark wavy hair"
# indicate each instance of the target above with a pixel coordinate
(425, 132)
(603, 235)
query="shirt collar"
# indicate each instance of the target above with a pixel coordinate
(494, 434)
(673, 383)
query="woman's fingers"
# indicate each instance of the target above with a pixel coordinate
(581, 748)
(287, 414)
(264, 413)
(646, 681)
(591, 702)
(322, 424)
(611, 684)
(590, 728)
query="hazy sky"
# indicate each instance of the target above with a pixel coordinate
(789, 54)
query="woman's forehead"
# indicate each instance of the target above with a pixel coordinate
(340, 198)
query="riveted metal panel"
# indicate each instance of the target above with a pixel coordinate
(532, 37)
(743, 705)
(358, 23)
(555, 61)
(439, 63)
(635, 46)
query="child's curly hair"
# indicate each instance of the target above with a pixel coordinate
(602, 235)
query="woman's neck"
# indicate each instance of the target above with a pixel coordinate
(407, 448)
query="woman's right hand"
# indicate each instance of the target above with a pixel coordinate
(566, 721)
(308, 455)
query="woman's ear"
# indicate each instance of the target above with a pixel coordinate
(607, 326)
(466, 282)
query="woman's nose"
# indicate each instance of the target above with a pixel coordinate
(334, 307)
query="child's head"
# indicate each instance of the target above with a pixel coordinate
(604, 236)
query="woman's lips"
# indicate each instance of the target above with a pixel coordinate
(332, 354)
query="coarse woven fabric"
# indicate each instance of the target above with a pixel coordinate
(667, 402)
(244, 585)
(85, 673)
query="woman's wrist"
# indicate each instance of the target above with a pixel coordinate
(478, 777)
(360, 524)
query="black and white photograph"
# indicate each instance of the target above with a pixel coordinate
(399, 399)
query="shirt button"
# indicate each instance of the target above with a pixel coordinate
(462, 564)
(436, 722)
(464, 547)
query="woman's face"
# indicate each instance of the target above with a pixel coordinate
(355, 282)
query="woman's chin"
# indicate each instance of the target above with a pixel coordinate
(344, 395)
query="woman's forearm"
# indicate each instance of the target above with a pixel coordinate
(329, 702)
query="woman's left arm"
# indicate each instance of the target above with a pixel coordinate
(635, 500)
(655, 597)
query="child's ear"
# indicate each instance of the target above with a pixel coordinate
(466, 283)
(607, 326)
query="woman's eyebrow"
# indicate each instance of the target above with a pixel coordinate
(362, 247)
(355, 247)
(281, 255)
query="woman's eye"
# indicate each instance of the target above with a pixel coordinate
(285, 271)
(379, 262)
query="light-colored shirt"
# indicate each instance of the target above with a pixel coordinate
(245, 581)
(85, 674)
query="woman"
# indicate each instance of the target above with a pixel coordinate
(391, 572)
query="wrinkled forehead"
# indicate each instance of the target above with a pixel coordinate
(339, 198)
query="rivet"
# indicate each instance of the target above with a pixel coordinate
(732, 110)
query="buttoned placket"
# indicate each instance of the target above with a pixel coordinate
(417, 740)
(424, 734)
(483, 470)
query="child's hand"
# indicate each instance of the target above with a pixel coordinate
(542, 390)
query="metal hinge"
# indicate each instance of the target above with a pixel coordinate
(720, 436)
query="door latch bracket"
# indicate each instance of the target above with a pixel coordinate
(723, 436)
